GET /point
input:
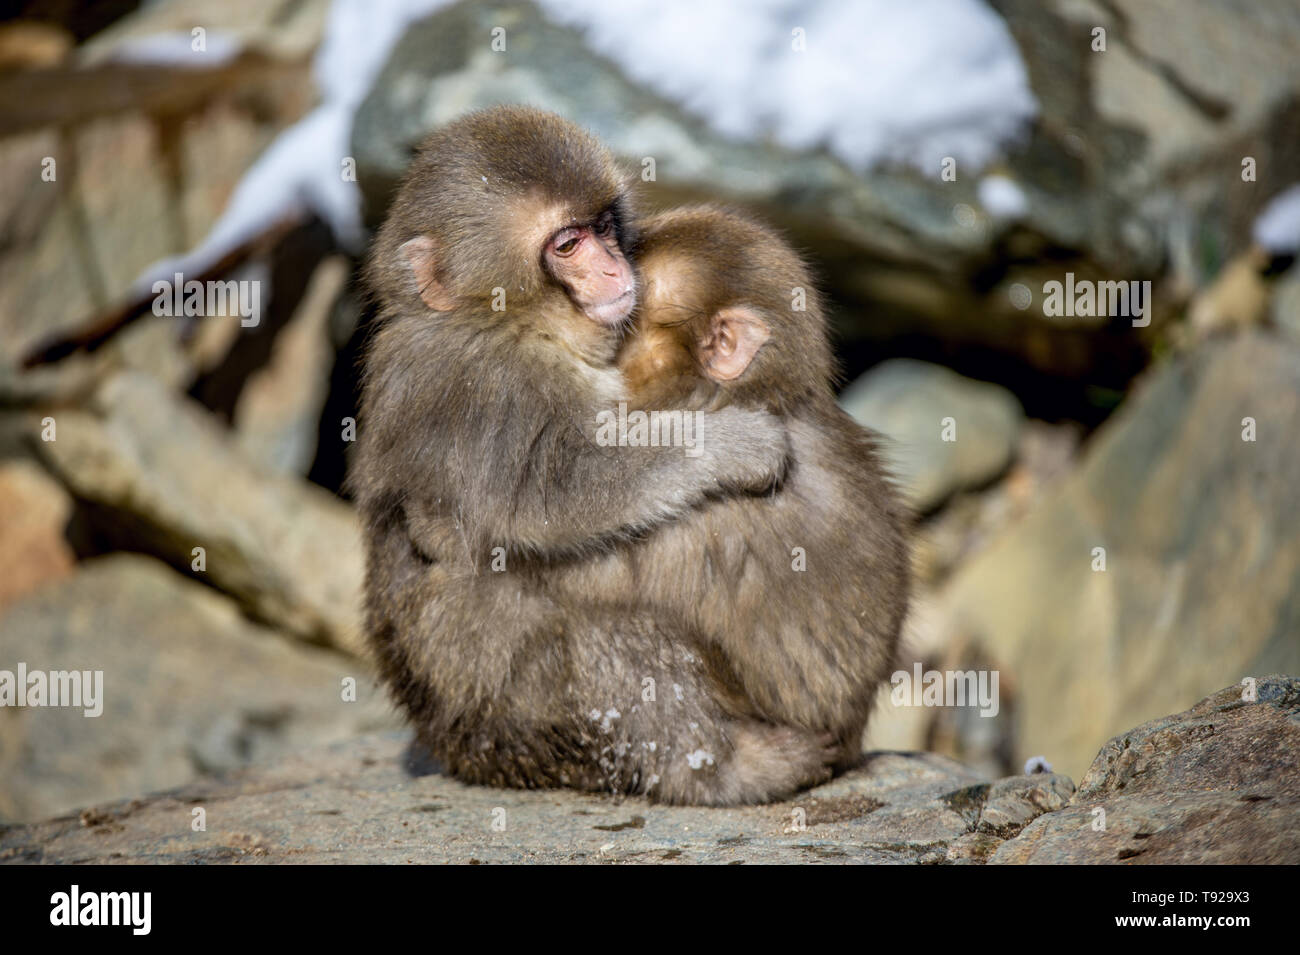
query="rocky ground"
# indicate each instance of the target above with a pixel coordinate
(1219, 783)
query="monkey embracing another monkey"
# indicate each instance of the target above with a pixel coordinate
(803, 591)
(503, 284)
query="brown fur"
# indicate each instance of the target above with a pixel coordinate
(809, 648)
(477, 433)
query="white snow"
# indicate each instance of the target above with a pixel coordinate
(699, 758)
(1002, 197)
(177, 49)
(303, 167)
(1037, 764)
(1277, 228)
(878, 80)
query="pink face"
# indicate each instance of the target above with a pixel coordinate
(591, 265)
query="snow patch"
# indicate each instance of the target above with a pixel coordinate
(877, 80)
(1001, 197)
(177, 49)
(303, 168)
(1277, 228)
(699, 759)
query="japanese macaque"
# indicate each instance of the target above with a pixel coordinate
(801, 592)
(503, 283)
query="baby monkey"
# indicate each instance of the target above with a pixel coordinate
(801, 591)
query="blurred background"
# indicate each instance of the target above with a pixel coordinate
(1108, 497)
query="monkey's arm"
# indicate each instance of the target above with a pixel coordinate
(503, 452)
(558, 490)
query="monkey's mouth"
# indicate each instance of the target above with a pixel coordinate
(613, 312)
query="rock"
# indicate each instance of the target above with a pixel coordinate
(278, 411)
(1016, 801)
(1198, 528)
(31, 44)
(45, 287)
(157, 474)
(1142, 125)
(1237, 298)
(151, 344)
(355, 802)
(122, 184)
(908, 401)
(370, 800)
(905, 251)
(1218, 785)
(969, 520)
(286, 29)
(99, 179)
(1123, 177)
(1285, 312)
(34, 510)
(189, 687)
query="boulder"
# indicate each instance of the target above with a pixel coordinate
(100, 179)
(156, 473)
(1169, 558)
(363, 802)
(189, 687)
(1133, 171)
(34, 511)
(909, 403)
(906, 251)
(1217, 784)
(370, 800)
(278, 411)
(1143, 126)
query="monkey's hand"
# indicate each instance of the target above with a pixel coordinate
(744, 450)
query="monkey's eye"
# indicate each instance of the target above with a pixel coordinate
(567, 243)
(605, 224)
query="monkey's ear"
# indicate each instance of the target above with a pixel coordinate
(421, 254)
(735, 336)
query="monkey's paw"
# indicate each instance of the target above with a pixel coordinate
(746, 450)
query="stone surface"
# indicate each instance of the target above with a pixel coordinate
(899, 246)
(34, 510)
(283, 28)
(1132, 172)
(279, 409)
(1148, 138)
(46, 286)
(189, 687)
(907, 402)
(1285, 307)
(356, 803)
(1202, 557)
(144, 161)
(1224, 794)
(1219, 784)
(157, 474)
(1016, 801)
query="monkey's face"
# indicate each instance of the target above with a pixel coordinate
(692, 318)
(727, 302)
(588, 260)
(521, 213)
